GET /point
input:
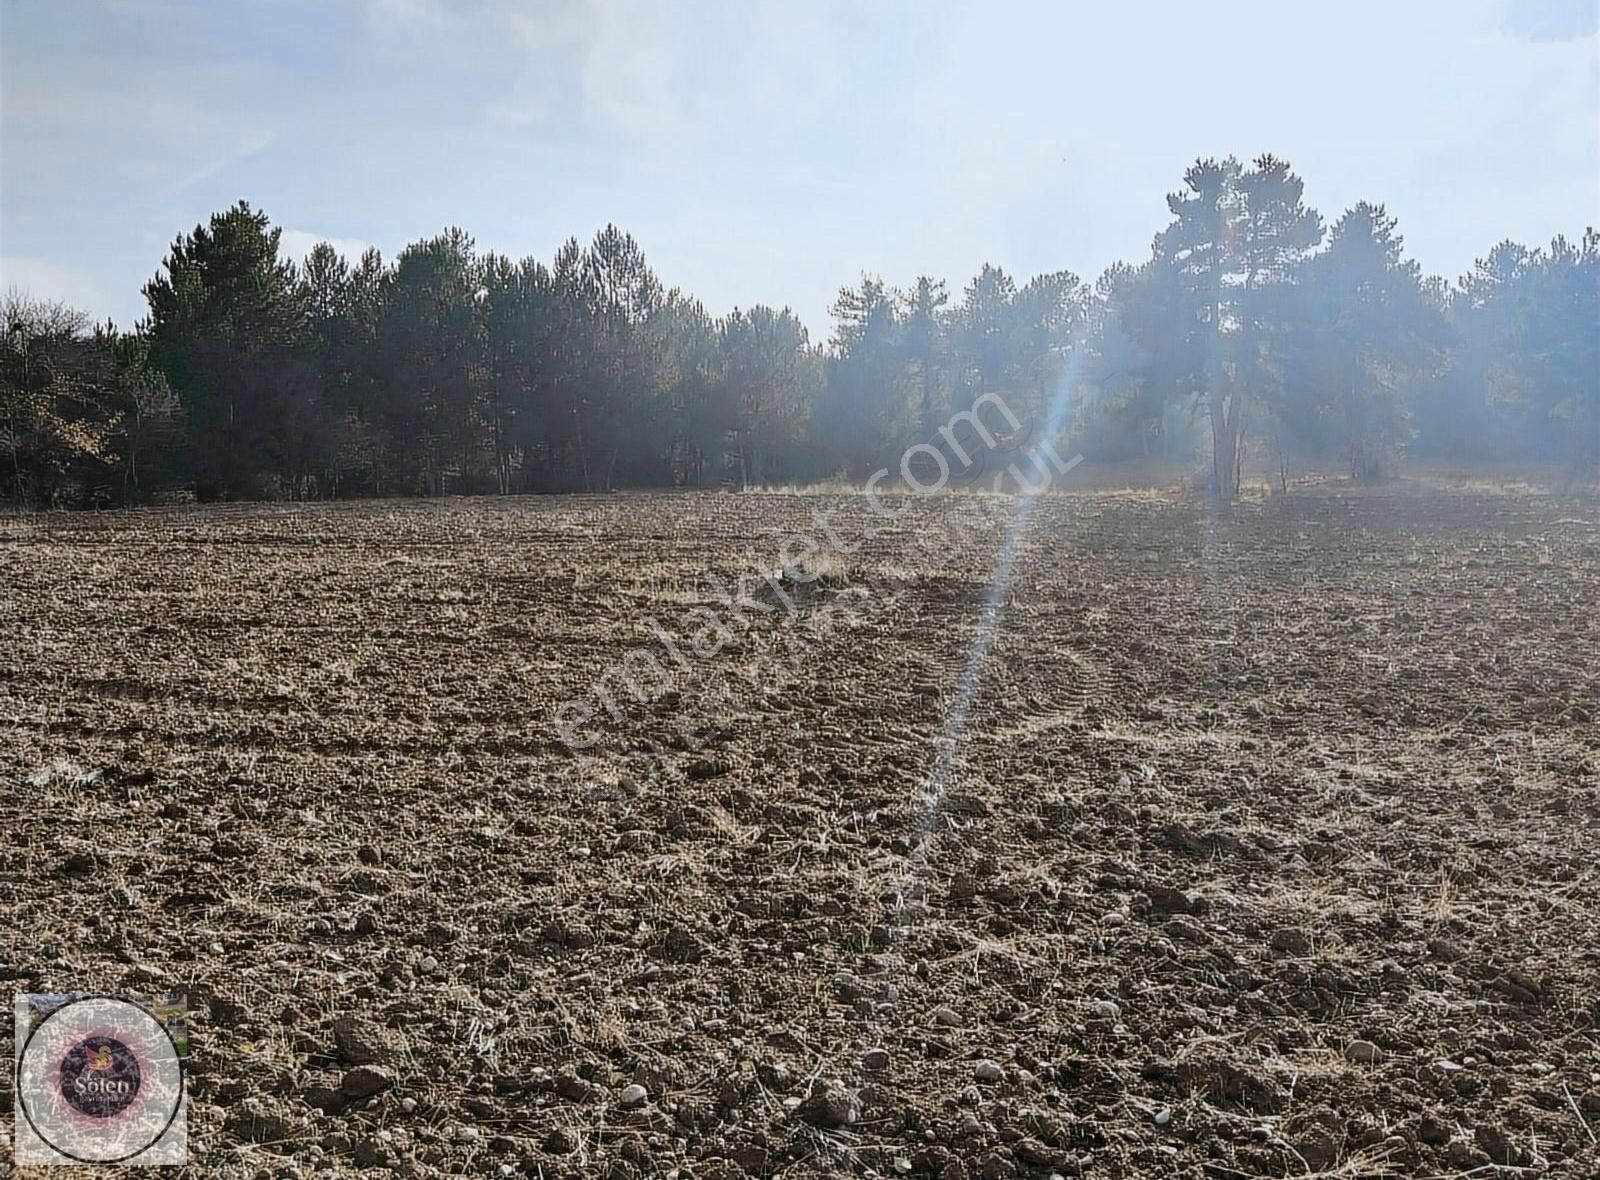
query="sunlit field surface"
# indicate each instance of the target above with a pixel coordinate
(1267, 845)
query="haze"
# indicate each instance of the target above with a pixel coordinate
(768, 153)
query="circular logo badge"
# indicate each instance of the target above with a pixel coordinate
(100, 1077)
(99, 1080)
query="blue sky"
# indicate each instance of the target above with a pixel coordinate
(770, 152)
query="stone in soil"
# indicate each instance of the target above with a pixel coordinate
(365, 1042)
(831, 1107)
(1364, 1052)
(365, 1081)
(325, 1098)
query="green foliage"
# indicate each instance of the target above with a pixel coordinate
(1364, 331)
(452, 370)
(84, 419)
(1237, 242)
(1524, 377)
(223, 320)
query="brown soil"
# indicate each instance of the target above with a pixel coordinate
(1268, 846)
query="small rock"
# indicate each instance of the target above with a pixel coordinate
(1116, 918)
(634, 1095)
(875, 1059)
(1106, 1010)
(988, 1071)
(945, 1017)
(831, 1107)
(1163, 1116)
(428, 965)
(365, 1081)
(466, 1135)
(1364, 1052)
(325, 1098)
(576, 1089)
(1166, 899)
(408, 1105)
(363, 1042)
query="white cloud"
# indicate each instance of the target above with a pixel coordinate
(665, 74)
(38, 279)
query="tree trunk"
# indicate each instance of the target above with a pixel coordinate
(1225, 456)
(583, 450)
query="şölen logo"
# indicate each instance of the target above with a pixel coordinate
(100, 1077)
(99, 1081)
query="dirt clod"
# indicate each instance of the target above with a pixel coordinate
(831, 1106)
(1364, 1052)
(365, 1081)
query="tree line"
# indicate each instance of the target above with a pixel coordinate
(1252, 331)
